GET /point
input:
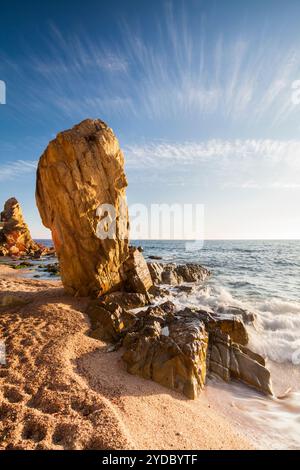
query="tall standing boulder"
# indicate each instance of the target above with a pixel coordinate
(15, 237)
(81, 170)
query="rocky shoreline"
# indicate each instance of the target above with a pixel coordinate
(175, 347)
(80, 194)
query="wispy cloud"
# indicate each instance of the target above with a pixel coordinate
(229, 164)
(14, 170)
(244, 164)
(183, 70)
(285, 185)
(166, 153)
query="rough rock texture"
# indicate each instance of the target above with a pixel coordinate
(229, 324)
(170, 351)
(234, 361)
(15, 238)
(80, 170)
(176, 274)
(228, 355)
(176, 348)
(138, 278)
(159, 345)
(127, 300)
(234, 327)
(108, 320)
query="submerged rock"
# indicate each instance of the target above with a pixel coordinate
(15, 237)
(82, 169)
(22, 265)
(53, 269)
(245, 315)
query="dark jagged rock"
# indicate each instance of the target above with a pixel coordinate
(108, 320)
(229, 324)
(22, 265)
(155, 270)
(127, 300)
(53, 269)
(172, 353)
(175, 348)
(228, 356)
(232, 326)
(158, 291)
(230, 360)
(185, 289)
(176, 274)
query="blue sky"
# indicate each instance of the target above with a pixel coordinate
(199, 94)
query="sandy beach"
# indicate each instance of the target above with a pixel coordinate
(61, 389)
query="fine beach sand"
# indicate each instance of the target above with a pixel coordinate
(62, 389)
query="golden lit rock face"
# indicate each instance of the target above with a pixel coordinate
(15, 238)
(82, 169)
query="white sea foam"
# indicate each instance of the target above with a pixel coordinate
(276, 332)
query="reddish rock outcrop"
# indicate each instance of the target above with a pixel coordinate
(82, 169)
(15, 238)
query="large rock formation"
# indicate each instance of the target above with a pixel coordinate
(176, 347)
(15, 238)
(159, 345)
(82, 169)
